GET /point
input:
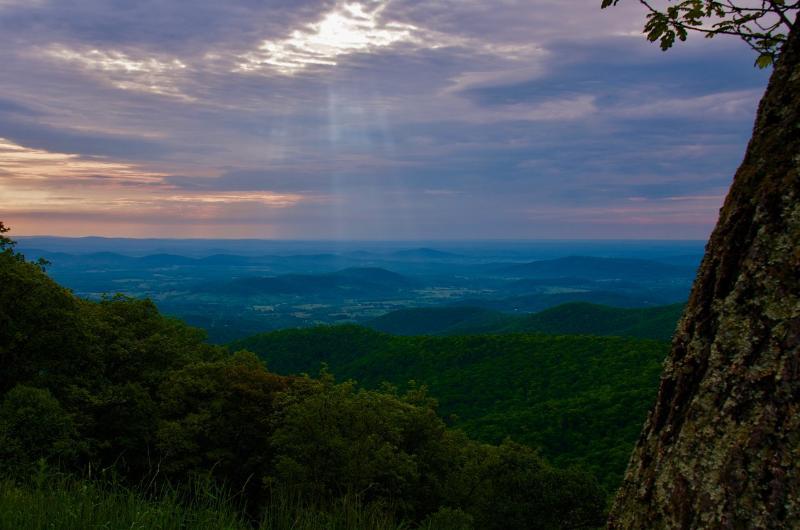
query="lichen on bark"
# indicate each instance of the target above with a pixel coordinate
(721, 447)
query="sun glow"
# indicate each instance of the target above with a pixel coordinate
(349, 28)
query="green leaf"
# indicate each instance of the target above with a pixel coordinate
(764, 60)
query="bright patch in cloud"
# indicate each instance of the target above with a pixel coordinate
(149, 74)
(278, 200)
(497, 78)
(349, 28)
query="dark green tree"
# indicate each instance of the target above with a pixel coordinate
(339, 440)
(34, 427)
(216, 418)
(41, 325)
(517, 489)
(5, 242)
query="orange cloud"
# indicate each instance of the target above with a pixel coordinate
(36, 185)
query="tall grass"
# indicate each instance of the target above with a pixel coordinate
(62, 503)
(287, 511)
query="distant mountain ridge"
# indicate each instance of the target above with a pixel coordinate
(595, 268)
(424, 253)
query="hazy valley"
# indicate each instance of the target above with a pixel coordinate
(234, 290)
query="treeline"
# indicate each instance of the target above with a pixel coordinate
(573, 318)
(580, 399)
(115, 386)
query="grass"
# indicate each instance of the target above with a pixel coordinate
(62, 503)
(65, 504)
(347, 513)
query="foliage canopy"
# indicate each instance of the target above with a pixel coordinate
(580, 399)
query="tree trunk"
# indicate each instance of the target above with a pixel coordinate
(721, 447)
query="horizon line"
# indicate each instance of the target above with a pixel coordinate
(372, 240)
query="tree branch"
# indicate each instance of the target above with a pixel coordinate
(776, 8)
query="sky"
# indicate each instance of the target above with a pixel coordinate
(378, 119)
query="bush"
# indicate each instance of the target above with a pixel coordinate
(448, 519)
(510, 486)
(338, 440)
(34, 427)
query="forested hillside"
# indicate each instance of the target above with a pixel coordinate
(114, 389)
(581, 399)
(579, 318)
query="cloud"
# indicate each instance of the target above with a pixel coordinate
(347, 29)
(35, 134)
(725, 104)
(352, 28)
(142, 74)
(8, 4)
(34, 180)
(13, 108)
(276, 200)
(395, 118)
(25, 164)
(556, 109)
(468, 81)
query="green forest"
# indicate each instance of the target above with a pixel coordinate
(110, 407)
(570, 318)
(580, 399)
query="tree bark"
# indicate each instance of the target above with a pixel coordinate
(721, 447)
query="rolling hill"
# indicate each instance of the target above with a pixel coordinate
(362, 281)
(571, 318)
(593, 319)
(534, 302)
(437, 320)
(581, 399)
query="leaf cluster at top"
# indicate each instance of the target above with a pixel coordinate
(763, 27)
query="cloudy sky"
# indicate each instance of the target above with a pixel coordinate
(379, 119)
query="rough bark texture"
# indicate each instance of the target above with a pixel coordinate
(721, 447)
